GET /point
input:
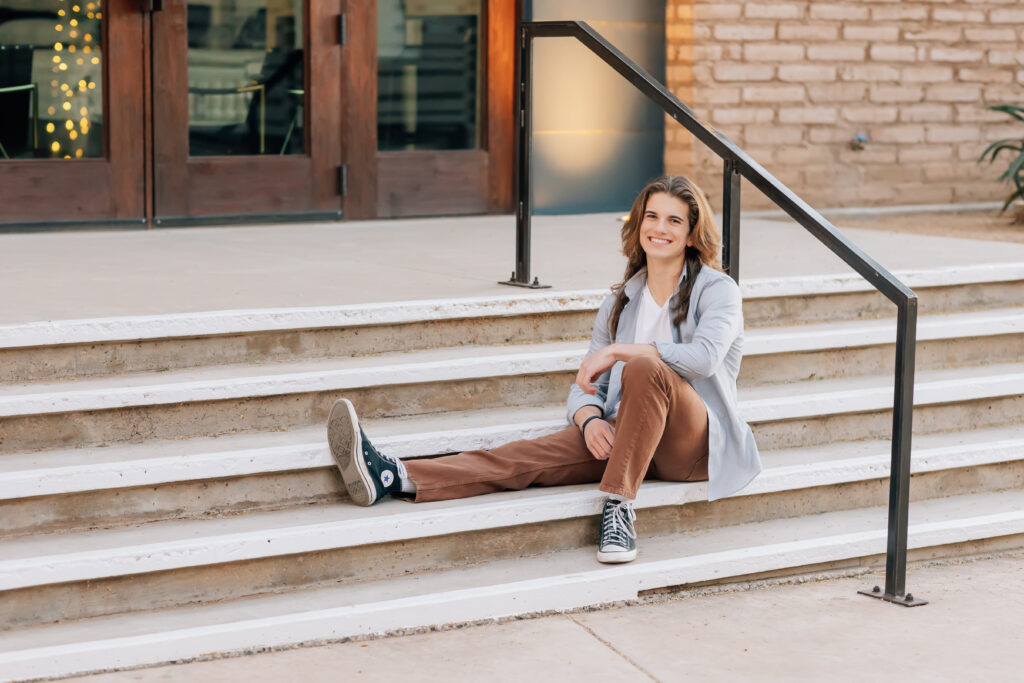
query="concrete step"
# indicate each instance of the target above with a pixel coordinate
(239, 398)
(90, 487)
(867, 347)
(49, 577)
(230, 399)
(61, 489)
(54, 350)
(67, 349)
(560, 580)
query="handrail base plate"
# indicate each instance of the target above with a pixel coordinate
(907, 600)
(528, 285)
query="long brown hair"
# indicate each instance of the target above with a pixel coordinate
(706, 249)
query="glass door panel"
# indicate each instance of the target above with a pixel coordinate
(51, 80)
(428, 74)
(62, 158)
(445, 109)
(245, 78)
(247, 109)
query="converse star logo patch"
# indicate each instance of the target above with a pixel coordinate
(387, 477)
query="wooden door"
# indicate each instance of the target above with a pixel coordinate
(71, 114)
(247, 110)
(430, 153)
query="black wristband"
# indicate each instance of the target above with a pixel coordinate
(583, 427)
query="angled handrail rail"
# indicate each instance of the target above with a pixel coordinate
(737, 164)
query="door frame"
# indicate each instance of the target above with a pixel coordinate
(109, 190)
(433, 182)
(210, 189)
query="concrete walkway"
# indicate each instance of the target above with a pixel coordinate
(60, 276)
(971, 631)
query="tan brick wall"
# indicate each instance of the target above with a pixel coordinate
(793, 83)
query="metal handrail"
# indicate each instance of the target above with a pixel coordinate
(738, 164)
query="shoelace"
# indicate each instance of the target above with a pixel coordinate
(614, 528)
(399, 465)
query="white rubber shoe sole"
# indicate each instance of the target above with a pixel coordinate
(616, 556)
(346, 447)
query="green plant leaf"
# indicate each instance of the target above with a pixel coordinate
(1010, 200)
(999, 145)
(1014, 169)
(1013, 110)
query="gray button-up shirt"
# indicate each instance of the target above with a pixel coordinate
(706, 351)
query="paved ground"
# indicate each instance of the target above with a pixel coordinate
(975, 225)
(48, 276)
(971, 631)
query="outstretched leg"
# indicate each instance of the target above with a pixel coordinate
(553, 460)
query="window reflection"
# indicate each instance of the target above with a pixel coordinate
(51, 94)
(428, 74)
(245, 75)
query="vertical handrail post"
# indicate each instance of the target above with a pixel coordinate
(902, 428)
(523, 198)
(731, 219)
(524, 137)
(899, 467)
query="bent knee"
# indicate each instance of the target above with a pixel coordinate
(642, 366)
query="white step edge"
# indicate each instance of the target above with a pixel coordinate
(215, 465)
(470, 516)
(560, 592)
(921, 278)
(802, 404)
(185, 466)
(499, 365)
(131, 328)
(874, 333)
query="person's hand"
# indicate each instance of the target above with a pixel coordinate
(592, 367)
(599, 436)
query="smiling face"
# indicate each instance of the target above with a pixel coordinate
(665, 228)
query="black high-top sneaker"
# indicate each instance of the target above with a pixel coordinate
(618, 537)
(368, 475)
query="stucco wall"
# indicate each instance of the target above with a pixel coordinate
(793, 83)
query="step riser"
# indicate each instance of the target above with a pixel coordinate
(45, 604)
(183, 500)
(272, 413)
(864, 361)
(928, 419)
(99, 508)
(819, 308)
(91, 360)
(60, 362)
(279, 412)
(984, 546)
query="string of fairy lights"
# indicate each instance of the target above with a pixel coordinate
(69, 124)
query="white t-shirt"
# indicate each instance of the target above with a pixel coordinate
(653, 322)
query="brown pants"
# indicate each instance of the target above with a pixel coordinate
(661, 432)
